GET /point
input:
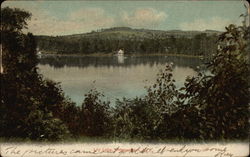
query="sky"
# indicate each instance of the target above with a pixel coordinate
(74, 17)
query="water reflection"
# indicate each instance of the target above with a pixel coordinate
(120, 59)
(116, 77)
(127, 61)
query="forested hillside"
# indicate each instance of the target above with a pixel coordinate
(132, 41)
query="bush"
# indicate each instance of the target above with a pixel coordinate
(95, 115)
(209, 107)
(43, 126)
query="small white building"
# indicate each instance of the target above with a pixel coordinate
(39, 54)
(120, 52)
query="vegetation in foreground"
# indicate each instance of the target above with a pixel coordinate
(209, 107)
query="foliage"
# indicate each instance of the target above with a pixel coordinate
(43, 126)
(132, 41)
(223, 96)
(210, 106)
(95, 115)
(30, 105)
(14, 20)
(133, 119)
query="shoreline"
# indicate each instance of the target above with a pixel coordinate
(129, 54)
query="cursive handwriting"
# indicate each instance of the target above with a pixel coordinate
(182, 151)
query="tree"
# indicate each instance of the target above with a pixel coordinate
(26, 111)
(223, 96)
(14, 20)
(95, 115)
(210, 106)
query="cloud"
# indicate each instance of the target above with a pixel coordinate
(214, 23)
(46, 22)
(79, 21)
(95, 17)
(144, 17)
(87, 19)
(43, 22)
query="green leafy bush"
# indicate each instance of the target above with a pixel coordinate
(211, 106)
(95, 115)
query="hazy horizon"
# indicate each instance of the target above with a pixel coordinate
(100, 29)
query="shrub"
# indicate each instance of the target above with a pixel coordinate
(95, 114)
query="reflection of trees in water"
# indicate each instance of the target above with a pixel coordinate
(111, 61)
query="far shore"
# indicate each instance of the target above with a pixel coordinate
(126, 54)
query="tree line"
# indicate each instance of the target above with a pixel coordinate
(197, 45)
(209, 107)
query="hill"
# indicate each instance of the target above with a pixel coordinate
(132, 40)
(128, 33)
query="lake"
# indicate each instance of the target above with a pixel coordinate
(114, 76)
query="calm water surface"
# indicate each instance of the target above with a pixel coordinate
(115, 76)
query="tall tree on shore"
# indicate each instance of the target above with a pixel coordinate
(28, 102)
